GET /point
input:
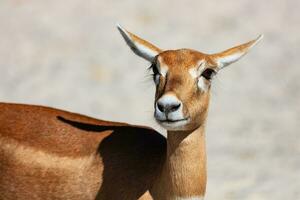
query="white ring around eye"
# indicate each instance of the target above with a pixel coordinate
(156, 79)
(203, 84)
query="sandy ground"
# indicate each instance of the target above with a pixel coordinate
(68, 54)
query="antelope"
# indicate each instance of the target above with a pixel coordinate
(46, 153)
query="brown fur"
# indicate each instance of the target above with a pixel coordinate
(123, 160)
(48, 154)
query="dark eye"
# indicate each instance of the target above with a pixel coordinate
(154, 69)
(208, 73)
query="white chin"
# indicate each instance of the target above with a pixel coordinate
(174, 126)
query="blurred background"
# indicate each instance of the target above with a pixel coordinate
(69, 55)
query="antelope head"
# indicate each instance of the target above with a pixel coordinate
(183, 79)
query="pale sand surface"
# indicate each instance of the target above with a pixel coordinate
(68, 54)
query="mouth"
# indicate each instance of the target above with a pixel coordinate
(173, 124)
(168, 121)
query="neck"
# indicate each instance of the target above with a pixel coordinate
(184, 172)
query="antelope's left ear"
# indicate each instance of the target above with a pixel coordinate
(139, 46)
(232, 55)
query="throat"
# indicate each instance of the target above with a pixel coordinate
(184, 173)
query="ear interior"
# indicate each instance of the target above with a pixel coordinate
(139, 46)
(232, 55)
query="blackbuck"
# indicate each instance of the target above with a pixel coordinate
(47, 153)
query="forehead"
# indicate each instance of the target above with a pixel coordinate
(183, 58)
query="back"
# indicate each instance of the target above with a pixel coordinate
(47, 153)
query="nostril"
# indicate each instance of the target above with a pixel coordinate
(167, 104)
(174, 107)
(160, 107)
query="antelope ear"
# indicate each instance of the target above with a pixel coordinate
(139, 46)
(232, 55)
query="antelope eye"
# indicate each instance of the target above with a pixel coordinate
(156, 78)
(154, 69)
(156, 74)
(208, 73)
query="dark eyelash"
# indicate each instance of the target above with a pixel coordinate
(154, 69)
(150, 67)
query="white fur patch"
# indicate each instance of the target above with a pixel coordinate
(146, 52)
(226, 60)
(169, 99)
(198, 69)
(202, 84)
(162, 67)
(196, 72)
(164, 71)
(176, 126)
(179, 120)
(138, 48)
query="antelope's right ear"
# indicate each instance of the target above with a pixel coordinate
(232, 55)
(139, 46)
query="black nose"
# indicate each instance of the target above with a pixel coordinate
(168, 107)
